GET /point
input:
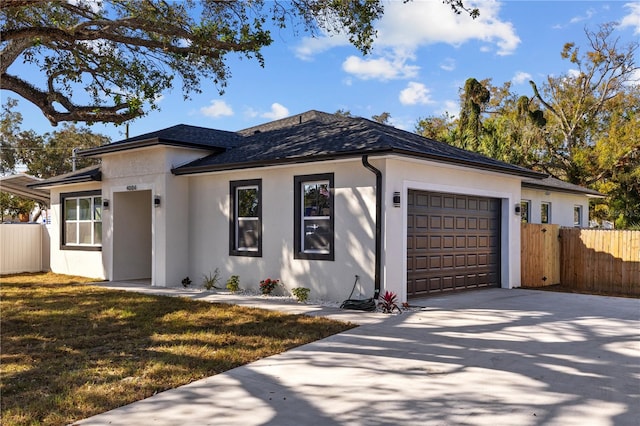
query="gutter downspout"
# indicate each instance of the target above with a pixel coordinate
(378, 173)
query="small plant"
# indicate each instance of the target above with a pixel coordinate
(233, 283)
(301, 294)
(211, 281)
(186, 282)
(387, 302)
(268, 285)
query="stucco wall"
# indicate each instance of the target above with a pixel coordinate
(72, 262)
(562, 205)
(354, 231)
(403, 174)
(149, 169)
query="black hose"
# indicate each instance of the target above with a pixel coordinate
(368, 305)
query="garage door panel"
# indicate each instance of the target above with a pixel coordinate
(457, 244)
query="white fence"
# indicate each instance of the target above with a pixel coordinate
(23, 248)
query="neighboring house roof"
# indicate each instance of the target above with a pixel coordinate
(559, 185)
(19, 185)
(317, 136)
(181, 135)
(87, 174)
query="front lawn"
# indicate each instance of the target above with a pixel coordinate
(72, 350)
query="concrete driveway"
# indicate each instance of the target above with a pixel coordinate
(489, 357)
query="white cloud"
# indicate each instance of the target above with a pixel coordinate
(415, 93)
(573, 73)
(277, 112)
(588, 15)
(449, 64)
(217, 109)
(411, 25)
(450, 107)
(521, 77)
(394, 66)
(633, 18)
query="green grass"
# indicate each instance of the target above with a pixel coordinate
(72, 350)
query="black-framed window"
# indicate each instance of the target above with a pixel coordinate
(525, 211)
(314, 217)
(81, 220)
(545, 212)
(245, 225)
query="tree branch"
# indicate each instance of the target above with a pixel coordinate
(44, 100)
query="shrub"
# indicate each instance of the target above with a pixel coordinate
(211, 281)
(268, 285)
(387, 302)
(301, 294)
(233, 283)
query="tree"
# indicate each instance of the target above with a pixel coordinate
(382, 118)
(575, 103)
(474, 100)
(43, 155)
(124, 54)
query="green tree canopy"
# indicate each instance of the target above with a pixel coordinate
(45, 155)
(109, 61)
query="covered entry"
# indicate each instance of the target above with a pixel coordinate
(132, 236)
(453, 242)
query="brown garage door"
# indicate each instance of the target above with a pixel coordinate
(453, 242)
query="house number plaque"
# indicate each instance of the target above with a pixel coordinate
(131, 187)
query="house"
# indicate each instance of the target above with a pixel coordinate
(316, 200)
(551, 200)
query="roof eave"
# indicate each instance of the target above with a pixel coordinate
(268, 163)
(97, 177)
(145, 143)
(588, 193)
(185, 170)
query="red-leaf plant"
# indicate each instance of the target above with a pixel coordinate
(387, 303)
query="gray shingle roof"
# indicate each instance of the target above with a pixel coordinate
(87, 174)
(180, 135)
(559, 185)
(317, 136)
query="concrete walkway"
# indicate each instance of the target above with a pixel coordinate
(490, 357)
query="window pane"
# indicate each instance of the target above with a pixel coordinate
(248, 231)
(85, 208)
(70, 209)
(71, 233)
(577, 215)
(544, 213)
(97, 232)
(247, 199)
(524, 211)
(85, 232)
(317, 235)
(97, 208)
(317, 200)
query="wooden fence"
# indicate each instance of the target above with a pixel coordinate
(540, 255)
(600, 261)
(605, 261)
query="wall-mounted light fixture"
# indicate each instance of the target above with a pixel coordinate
(156, 201)
(517, 210)
(396, 199)
(105, 204)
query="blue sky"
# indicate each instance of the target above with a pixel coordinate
(423, 55)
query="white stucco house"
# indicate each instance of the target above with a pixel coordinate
(314, 200)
